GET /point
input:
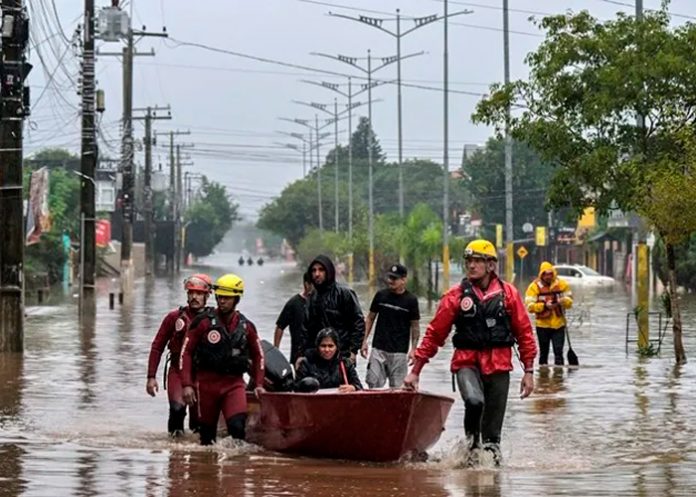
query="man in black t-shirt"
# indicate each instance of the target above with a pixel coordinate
(397, 328)
(293, 315)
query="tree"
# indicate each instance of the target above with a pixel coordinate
(588, 80)
(484, 180)
(208, 219)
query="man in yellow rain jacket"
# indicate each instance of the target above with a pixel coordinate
(548, 297)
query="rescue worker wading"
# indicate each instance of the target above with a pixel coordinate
(548, 297)
(221, 346)
(171, 334)
(489, 317)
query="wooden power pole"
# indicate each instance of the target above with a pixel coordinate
(14, 106)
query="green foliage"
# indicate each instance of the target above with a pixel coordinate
(208, 219)
(296, 210)
(648, 350)
(484, 174)
(686, 263)
(588, 80)
(334, 245)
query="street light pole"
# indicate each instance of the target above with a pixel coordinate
(316, 137)
(336, 216)
(353, 61)
(419, 22)
(509, 235)
(306, 123)
(445, 158)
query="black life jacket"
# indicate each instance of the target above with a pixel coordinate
(482, 325)
(220, 350)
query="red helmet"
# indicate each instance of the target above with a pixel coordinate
(198, 282)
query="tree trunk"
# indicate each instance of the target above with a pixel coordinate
(679, 353)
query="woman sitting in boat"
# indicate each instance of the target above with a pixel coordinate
(323, 367)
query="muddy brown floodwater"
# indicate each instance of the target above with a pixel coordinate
(75, 418)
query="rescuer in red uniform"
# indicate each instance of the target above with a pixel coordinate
(220, 346)
(171, 334)
(488, 317)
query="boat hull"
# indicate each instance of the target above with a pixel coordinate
(377, 425)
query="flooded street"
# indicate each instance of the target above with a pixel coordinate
(75, 418)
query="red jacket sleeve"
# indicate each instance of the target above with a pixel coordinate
(438, 329)
(191, 339)
(164, 334)
(521, 326)
(257, 372)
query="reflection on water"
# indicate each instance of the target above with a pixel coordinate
(75, 419)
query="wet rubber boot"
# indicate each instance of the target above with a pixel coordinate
(473, 446)
(193, 418)
(492, 450)
(236, 426)
(175, 425)
(207, 433)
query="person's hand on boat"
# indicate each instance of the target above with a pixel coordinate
(411, 382)
(346, 388)
(363, 351)
(258, 391)
(151, 387)
(189, 395)
(527, 385)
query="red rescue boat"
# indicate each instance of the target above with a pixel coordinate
(371, 425)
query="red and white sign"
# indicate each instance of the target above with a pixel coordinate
(102, 230)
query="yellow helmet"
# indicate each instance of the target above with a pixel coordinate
(481, 248)
(229, 285)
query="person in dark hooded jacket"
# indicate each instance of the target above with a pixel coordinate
(324, 367)
(332, 305)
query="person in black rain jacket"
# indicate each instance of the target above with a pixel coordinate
(332, 305)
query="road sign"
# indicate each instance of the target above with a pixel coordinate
(522, 252)
(527, 228)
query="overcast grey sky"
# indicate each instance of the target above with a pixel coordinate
(232, 104)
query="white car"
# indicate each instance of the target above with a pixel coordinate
(579, 275)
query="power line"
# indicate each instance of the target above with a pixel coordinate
(308, 68)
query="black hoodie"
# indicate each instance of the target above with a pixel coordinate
(336, 306)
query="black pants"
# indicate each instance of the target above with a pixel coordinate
(557, 338)
(485, 401)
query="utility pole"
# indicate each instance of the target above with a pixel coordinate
(445, 157)
(14, 108)
(174, 192)
(178, 253)
(316, 137)
(336, 216)
(377, 23)
(509, 227)
(353, 61)
(313, 145)
(88, 165)
(302, 150)
(336, 116)
(127, 167)
(148, 210)
(306, 147)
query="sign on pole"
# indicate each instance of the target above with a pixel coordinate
(522, 252)
(540, 236)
